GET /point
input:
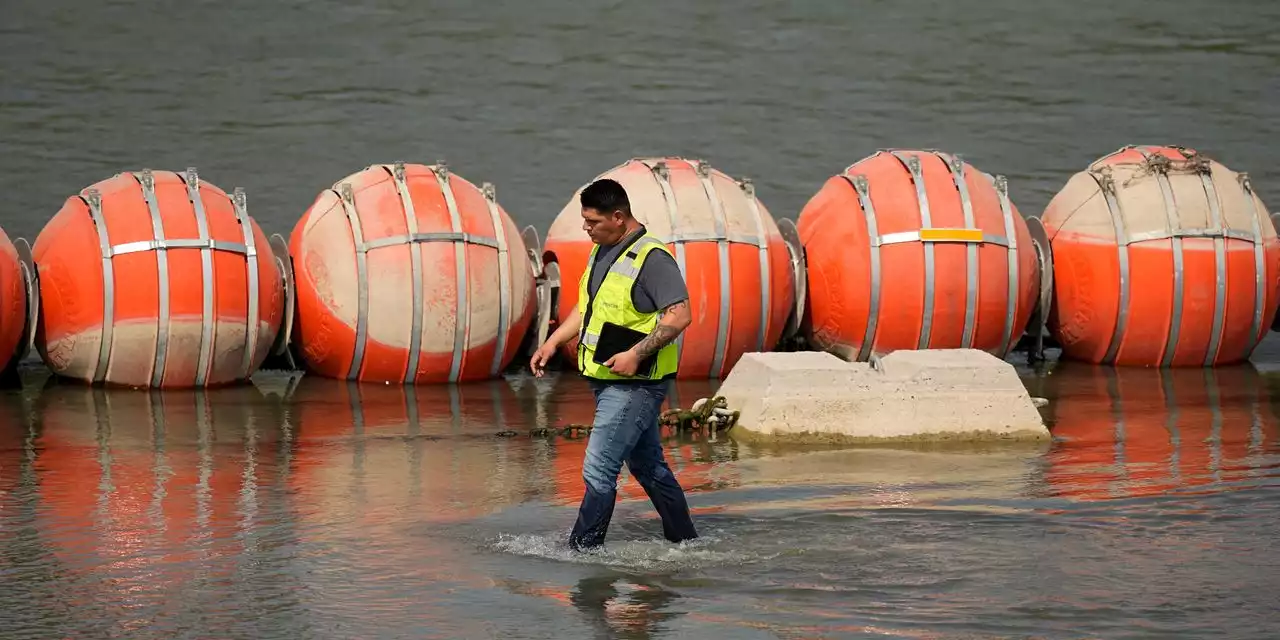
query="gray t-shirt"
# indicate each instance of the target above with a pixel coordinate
(659, 285)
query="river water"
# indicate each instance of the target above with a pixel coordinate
(304, 508)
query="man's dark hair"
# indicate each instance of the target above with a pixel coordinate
(606, 196)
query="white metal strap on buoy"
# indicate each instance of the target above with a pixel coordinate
(1190, 232)
(663, 177)
(140, 246)
(863, 188)
(1175, 235)
(697, 236)
(94, 199)
(432, 236)
(1008, 337)
(1259, 265)
(415, 264)
(1219, 264)
(206, 278)
(240, 206)
(347, 197)
(504, 276)
(703, 171)
(912, 163)
(462, 329)
(956, 165)
(762, 243)
(1106, 183)
(147, 180)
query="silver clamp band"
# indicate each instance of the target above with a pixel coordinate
(504, 275)
(723, 328)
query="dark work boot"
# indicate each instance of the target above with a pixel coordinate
(668, 499)
(593, 519)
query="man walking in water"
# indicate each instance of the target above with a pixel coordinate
(632, 304)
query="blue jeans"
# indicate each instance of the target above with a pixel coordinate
(626, 430)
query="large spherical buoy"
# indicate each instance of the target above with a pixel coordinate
(13, 303)
(735, 262)
(916, 250)
(408, 273)
(156, 280)
(1162, 257)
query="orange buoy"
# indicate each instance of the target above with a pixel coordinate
(13, 303)
(916, 250)
(716, 227)
(1162, 257)
(408, 273)
(156, 280)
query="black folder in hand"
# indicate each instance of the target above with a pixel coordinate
(614, 339)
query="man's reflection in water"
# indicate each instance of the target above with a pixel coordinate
(623, 606)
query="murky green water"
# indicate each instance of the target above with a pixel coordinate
(321, 510)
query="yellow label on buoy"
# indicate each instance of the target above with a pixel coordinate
(951, 235)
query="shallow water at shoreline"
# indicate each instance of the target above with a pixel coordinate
(314, 508)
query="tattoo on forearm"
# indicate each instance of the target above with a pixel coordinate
(661, 335)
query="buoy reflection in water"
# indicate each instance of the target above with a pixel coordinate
(142, 499)
(1128, 432)
(444, 451)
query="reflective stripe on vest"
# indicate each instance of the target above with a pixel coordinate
(613, 303)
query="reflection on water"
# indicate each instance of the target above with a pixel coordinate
(1132, 432)
(316, 508)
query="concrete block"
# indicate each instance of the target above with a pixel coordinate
(933, 394)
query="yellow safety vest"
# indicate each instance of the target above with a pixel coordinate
(612, 303)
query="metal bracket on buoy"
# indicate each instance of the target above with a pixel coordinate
(533, 248)
(547, 285)
(799, 277)
(1039, 321)
(31, 281)
(547, 301)
(284, 262)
